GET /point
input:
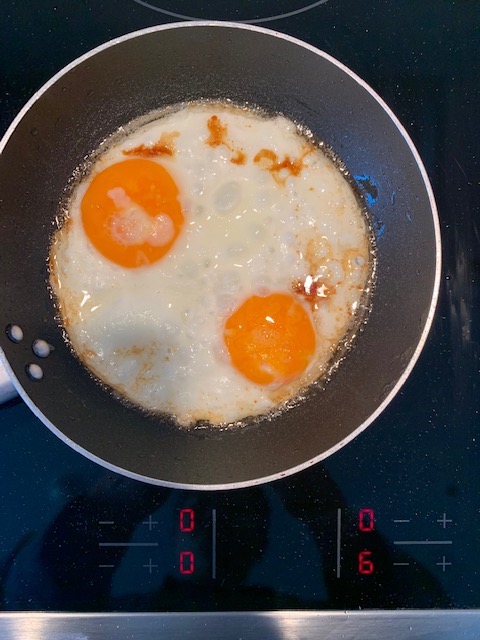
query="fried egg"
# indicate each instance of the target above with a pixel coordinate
(210, 263)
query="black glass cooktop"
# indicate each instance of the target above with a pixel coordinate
(389, 521)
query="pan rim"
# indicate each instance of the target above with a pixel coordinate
(435, 291)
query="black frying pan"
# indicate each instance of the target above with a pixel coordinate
(140, 72)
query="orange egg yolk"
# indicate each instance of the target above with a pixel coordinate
(270, 339)
(131, 214)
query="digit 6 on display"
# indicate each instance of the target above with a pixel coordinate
(365, 565)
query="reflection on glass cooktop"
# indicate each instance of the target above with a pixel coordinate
(250, 12)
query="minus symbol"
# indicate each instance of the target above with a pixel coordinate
(128, 544)
(106, 522)
(401, 520)
(422, 542)
(106, 566)
(401, 564)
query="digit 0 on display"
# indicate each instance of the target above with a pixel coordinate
(366, 520)
(186, 561)
(187, 520)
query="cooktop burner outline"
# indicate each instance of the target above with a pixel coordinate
(279, 16)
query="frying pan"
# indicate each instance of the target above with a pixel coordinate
(128, 77)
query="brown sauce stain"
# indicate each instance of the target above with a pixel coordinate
(269, 160)
(266, 158)
(218, 132)
(239, 157)
(164, 147)
(219, 136)
(312, 290)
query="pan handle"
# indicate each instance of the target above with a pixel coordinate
(7, 390)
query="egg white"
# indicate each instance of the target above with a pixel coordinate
(155, 333)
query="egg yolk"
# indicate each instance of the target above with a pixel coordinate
(131, 214)
(270, 339)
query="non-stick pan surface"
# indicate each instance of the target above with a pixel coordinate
(166, 65)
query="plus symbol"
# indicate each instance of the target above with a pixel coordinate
(444, 521)
(444, 564)
(150, 523)
(151, 566)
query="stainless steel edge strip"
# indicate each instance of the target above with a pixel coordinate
(281, 625)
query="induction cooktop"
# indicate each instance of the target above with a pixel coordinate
(381, 538)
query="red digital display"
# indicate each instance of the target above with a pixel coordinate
(187, 563)
(366, 524)
(187, 520)
(365, 565)
(366, 520)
